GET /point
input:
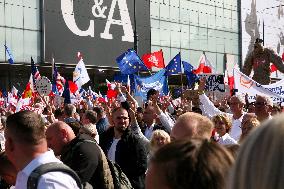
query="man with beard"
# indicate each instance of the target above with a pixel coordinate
(125, 148)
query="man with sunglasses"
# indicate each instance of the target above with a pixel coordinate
(263, 107)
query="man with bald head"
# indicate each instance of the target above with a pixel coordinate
(26, 148)
(190, 125)
(81, 153)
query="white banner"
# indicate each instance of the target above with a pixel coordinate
(245, 85)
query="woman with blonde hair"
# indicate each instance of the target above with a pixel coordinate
(260, 160)
(223, 125)
(159, 138)
(249, 123)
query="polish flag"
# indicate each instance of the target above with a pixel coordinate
(79, 55)
(205, 66)
(273, 68)
(111, 93)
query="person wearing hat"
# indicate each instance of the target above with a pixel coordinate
(259, 61)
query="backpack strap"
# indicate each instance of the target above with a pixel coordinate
(50, 167)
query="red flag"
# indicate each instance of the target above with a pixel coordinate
(111, 93)
(155, 59)
(283, 56)
(72, 86)
(273, 68)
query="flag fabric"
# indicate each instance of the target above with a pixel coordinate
(54, 78)
(192, 78)
(246, 85)
(155, 59)
(35, 73)
(111, 92)
(66, 94)
(205, 66)
(130, 63)
(80, 75)
(157, 81)
(273, 68)
(174, 66)
(28, 93)
(72, 87)
(11, 58)
(14, 92)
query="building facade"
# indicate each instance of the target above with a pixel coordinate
(103, 29)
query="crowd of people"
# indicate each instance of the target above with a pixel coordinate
(234, 144)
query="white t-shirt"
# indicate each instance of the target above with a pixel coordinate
(112, 150)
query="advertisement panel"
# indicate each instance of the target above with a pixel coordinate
(265, 20)
(100, 29)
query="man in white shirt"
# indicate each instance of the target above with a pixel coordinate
(236, 104)
(26, 148)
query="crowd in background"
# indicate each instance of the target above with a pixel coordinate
(228, 143)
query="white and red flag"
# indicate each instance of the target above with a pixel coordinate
(205, 66)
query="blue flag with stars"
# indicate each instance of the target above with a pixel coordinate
(174, 66)
(130, 63)
(191, 77)
(157, 81)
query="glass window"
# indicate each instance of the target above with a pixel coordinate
(2, 20)
(227, 20)
(184, 11)
(194, 57)
(174, 13)
(185, 55)
(14, 40)
(193, 15)
(174, 52)
(185, 36)
(2, 42)
(175, 35)
(164, 12)
(211, 40)
(203, 39)
(155, 32)
(220, 41)
(203, 15)
(165, 33)
(211, 17)
(32, 46)
(14, 15)
(154, 10)
(219, 18)
(220, 63)
(211, 57)
(194, 37)
(167, 55)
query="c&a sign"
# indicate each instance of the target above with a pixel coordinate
(100, 29)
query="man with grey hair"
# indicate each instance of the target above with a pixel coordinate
(236, 104)
(263, 107)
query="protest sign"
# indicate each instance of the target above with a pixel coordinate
(214, 82)
(43, 86)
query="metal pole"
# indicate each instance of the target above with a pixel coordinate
(135, 29)
(263, 31)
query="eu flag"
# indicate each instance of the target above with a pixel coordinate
(130, 63)
(191, 77)
(174, 66)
